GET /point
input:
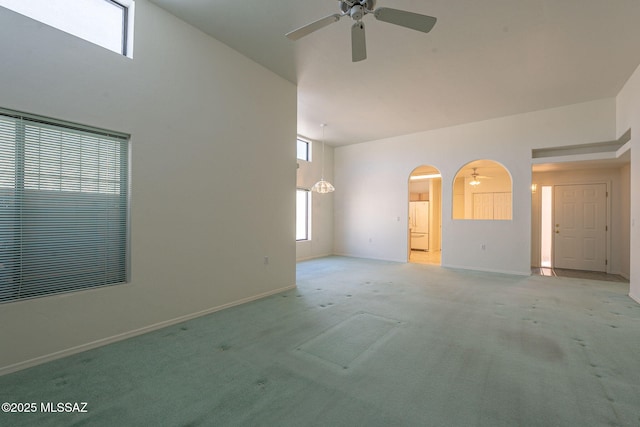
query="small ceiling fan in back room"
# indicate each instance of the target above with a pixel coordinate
(357, 9)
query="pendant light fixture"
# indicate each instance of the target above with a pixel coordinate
(322, 186)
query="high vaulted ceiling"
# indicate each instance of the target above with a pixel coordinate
(483, 59)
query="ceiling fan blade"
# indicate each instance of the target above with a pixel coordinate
(314, 26)
(358, 42)
(415, 21)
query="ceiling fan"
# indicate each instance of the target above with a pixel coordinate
(357, 9)
(474, 177)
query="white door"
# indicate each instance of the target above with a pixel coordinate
(580, 227)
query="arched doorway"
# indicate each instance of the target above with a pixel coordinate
(424, 232)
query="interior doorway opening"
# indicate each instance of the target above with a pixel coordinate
(424, 233)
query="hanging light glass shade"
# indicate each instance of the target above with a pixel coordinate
(323, 186)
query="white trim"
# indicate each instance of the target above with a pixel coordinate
(312, 256)
(398, 260)
(125, 335)
(131, 11)
(635, 298)
(610, 155)
(622, 150)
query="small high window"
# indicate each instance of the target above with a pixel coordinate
(303, 150)
(107, 23)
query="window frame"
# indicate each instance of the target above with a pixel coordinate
(307, 157)
(125, 26)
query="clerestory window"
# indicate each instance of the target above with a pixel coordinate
(107, 23)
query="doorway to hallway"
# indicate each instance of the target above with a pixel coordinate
(424, 234)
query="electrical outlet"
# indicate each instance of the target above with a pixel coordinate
(483, 247)
(266, 260)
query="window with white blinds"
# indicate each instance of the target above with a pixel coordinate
(63, 207)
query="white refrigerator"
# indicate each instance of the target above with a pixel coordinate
(419, 225)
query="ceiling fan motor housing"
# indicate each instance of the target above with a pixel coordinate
(357, 12)
(357, 8)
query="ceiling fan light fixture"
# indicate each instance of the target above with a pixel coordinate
(474, 178)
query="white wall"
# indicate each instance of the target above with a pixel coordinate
(321, 242)
(618, 248)
(211, 130)
(625, 220)
(371, 208)
(628, 117)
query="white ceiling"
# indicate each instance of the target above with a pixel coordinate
(483, 59)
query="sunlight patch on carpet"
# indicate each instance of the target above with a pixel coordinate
(348, 340)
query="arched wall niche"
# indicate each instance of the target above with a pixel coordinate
(482, 190)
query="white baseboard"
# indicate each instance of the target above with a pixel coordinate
(313, 257)
(129, 334)
(403, 260)
(635, 298)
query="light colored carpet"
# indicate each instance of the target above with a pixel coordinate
(367, 343)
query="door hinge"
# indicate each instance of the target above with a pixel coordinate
(606, 228)
(606, 262)
(606, 194)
